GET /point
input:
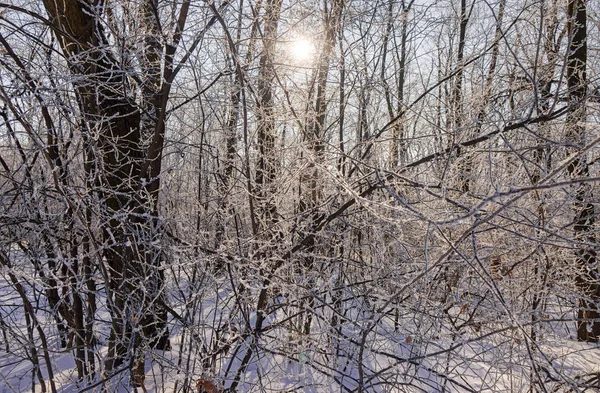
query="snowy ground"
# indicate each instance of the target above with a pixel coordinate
(369, 354)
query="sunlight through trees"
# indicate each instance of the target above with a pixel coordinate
(276, 196)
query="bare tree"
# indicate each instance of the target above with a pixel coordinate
(410, 206)
(588, 324)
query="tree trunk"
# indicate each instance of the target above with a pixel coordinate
(398, 148)
(311, 192)
(588, 274)
(265, 171)
(114, 130)
(457, 102)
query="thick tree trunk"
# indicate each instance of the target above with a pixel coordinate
(588, 274)
(114, 132)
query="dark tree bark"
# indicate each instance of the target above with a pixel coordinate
(127, 171)
(588, 274)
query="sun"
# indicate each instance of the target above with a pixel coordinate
(302, 49)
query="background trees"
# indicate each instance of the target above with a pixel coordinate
(407, 205)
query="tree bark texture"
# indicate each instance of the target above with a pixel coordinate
(588, 273)
(116, 132)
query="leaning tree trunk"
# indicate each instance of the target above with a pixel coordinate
(588, 274)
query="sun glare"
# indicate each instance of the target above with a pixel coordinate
(302, 49)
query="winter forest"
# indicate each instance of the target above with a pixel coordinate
(320, 196)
